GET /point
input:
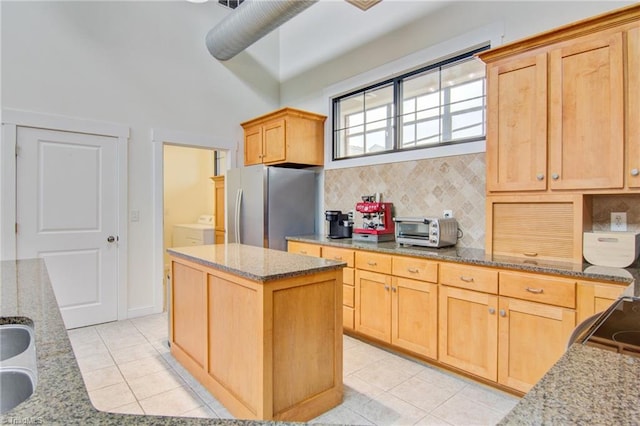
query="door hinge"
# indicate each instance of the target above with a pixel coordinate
(16, 227)
(17, 150)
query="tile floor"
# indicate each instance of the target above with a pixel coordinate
(127, 368)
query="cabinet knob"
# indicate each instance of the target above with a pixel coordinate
(394, 289)
(555, 176)
(540, 176)
(492, 311)
(635, 172)
(386, 287)
(503, 313)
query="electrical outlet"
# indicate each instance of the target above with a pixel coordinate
(447, 213)
(618, 221)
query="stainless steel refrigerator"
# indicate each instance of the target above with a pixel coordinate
(265, 204)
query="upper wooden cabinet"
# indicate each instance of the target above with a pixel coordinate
(286, 136)
(557, 108)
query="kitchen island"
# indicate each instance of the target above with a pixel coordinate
(261, 329)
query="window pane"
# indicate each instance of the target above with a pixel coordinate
(376, 141)
(429, 130)
(408, 134)
(355, 145)
(350, 109)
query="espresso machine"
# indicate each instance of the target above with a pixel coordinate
(340, 224)
(376, 220)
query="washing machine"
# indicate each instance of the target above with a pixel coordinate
(194, 234)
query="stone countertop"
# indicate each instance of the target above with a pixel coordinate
(478, 257)
(255, 263)
(61, 397)
(587, 386)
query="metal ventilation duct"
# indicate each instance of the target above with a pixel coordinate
(249, 23)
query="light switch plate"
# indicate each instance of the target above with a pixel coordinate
(619, 221)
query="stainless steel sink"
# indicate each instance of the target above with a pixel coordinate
(16, 386)
(14, 340)
(18, 365)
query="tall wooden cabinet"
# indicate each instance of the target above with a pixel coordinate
(287, 136)
(218, 197)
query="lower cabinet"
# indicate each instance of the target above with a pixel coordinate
(596, 297)
(531, 338)
(399, 311)
(468, 331)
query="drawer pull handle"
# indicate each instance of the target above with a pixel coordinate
(371, 263)
(607, 240)
(503, 313)
(303, 252)
(530, 253)
(337, 257)
(465, 279)
(492, 311)
(413, 270)
(535, 290)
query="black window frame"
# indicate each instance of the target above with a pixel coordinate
(397, 107)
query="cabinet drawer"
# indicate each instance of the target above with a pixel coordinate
(348, 276)
(348, 317)
(373, 262)
(303, 248)
(469, 277)
(348, 296)
(418, 269)
(342, 255)
(536, 288)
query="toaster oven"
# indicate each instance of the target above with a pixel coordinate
(426, 231)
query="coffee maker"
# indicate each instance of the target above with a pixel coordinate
(340, 224)
(376, 220)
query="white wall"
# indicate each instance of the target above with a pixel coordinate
(518, 20)
(141, 64)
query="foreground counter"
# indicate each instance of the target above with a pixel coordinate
(261, 329)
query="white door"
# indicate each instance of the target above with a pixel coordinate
(67, 204)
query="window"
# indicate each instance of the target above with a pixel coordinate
(439, 104)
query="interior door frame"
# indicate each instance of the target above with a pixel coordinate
(11, 121)
(160, 137)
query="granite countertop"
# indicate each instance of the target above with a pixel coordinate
(478, 257)
(255, 263)
(61, 397)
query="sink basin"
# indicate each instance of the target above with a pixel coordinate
(16, 386)
(14, 340)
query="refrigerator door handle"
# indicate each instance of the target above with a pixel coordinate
(238, 204)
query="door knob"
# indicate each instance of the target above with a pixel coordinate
(111, 238)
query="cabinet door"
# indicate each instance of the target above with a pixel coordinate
(586, 114)
(218, 197)
(593, 298)
(468, 331)
(273, 141)
(414, 316)
(373, 304)
(517, 124)
(253, 146)
(532, 338)
(633, 106)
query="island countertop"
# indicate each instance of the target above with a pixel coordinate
(254, 263)
(60, 397)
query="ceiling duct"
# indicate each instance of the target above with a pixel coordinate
(249, 23)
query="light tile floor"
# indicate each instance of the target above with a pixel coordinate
(127, 368)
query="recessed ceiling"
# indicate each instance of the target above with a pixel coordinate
(333, 27)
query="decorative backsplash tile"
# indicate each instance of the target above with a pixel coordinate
(604, 205)
(427, 187)
(418, 188)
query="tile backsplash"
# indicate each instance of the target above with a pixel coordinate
(427, 187)
(418, 188)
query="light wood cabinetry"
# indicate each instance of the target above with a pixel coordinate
(586, 113)
(266, 350)
(511, 328)
(561, 95)
(285, 136)
(633, 107)
(218, 197)
(548, 227)
(595, 297)
(304, 248)
(517, 124)
(348, 282)
(373, 304)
